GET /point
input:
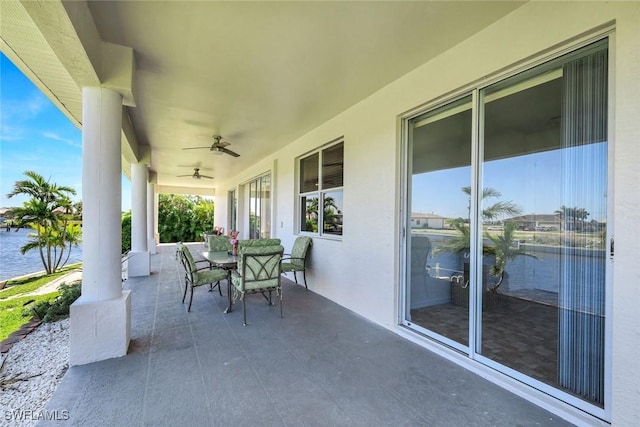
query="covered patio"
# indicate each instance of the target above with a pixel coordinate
(315, 104)
(321, 364)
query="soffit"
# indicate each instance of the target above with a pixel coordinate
(261, 74)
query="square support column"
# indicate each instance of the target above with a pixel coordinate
(100, 327)
(100, 330)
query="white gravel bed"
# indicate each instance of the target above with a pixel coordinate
(32, 370)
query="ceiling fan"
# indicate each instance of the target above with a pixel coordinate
(218, 147)
(196, 174)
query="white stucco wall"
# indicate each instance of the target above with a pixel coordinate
(361, 271)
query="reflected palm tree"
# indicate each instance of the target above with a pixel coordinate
(574, 216)
(505, 248)
(461, 243)
(330, 211)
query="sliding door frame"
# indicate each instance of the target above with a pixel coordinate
(477, 147)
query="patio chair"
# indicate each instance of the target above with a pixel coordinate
(218, 243)
(258, 272)
(195, 277)
(257, 242)
(297, 259)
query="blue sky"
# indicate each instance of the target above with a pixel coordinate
(35, 135)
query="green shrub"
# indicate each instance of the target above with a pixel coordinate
(58, 308)
(183, 218)
(126, 232)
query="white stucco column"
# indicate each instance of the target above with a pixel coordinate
(151, 226)
(139, 262)
(100, 317)
(156, 201)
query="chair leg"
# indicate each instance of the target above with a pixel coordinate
(244, 311)
(190, 299)
(281, 303)
(295, 277)
(184, 294)
(219, 287)
(304, 275)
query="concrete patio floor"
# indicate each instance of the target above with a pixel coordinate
(320, 365)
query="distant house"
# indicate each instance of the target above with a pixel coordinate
(427, 220)
(5, 214)
(60, 210)
(536, 222)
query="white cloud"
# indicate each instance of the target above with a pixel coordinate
(56, 137)
(10, 133)
(17, 115)
(35, 104)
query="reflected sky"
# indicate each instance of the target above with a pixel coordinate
(532, 181)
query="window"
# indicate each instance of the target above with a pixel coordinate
(320, 184)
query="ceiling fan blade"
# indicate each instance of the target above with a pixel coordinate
(182, 176)
(196, 148)
(206, 176)
(229, 152)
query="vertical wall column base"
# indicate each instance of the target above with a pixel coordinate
(139, 264)
(151, 245)
(99, 330)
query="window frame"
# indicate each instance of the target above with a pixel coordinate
(320, 193)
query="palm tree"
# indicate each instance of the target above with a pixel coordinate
(73, 237)
(504, 249)
(39, 213)
(461, 243)
(564, 213)
(330, 213)
(574, 215)
(498, 208)
(77, 210)
(581, 215)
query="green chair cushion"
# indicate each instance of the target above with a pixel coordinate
(218, 243)
(204, 277)
(296, 261)
(291, 266)
(258, 242)
(261, 271)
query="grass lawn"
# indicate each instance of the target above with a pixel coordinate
(11, 310)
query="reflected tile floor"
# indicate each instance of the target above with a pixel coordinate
(517, 333)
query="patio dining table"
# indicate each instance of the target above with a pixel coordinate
(227, 262)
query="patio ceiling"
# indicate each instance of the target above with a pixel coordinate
(261, 74)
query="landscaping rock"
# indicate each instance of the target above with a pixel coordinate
(31, 371)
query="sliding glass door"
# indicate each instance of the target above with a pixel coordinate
(259, 203)
(437, 297)
(508, 250)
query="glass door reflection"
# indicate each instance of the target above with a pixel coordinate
(438, 247)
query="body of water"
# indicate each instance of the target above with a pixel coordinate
(14, 264)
